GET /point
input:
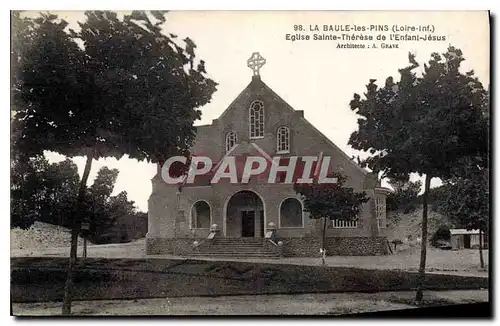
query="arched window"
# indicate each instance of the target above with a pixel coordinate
(283, 140)
(201, 215)
(291, 214)
(256, 119)
(231, 140)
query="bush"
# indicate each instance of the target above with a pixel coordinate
(441, 234)
(126, 228)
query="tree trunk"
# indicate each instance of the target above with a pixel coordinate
(324, 233)
(481, 248)
(324, 240)
(423, 246)
(66, 308)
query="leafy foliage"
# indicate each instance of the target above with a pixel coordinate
(47, 193)
(104, 209)
(441, 234)
(117, 86)
(26, 191)
(331, 200)
(423, 124)
(404, 197)
(465, 199)
(114, 87)
(42, 191)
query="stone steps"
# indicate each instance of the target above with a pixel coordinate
(239, 240)
(236, 247)
(232, 255)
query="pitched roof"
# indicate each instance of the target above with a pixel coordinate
(275, 95)
(257, 81)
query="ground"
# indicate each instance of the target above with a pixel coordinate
(407, 257)
(297, 304)
(463, 262)
(47, 240)
(402, 225)
(40, 235)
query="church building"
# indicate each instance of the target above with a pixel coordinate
(257, 218)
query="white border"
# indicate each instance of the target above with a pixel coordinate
(226, 5)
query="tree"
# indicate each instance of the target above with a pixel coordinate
(422, 124)
(109, 223)
(404, 196)
(27, 194)
(114, 87)
(60, 184)
(101, 216)
(47, 193)
(120, 207)
(41, 191)
(330, 201)
(465, 200)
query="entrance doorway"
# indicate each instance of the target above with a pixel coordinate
(467, 241)
(261, 224)
(244, 215)
(247, 224)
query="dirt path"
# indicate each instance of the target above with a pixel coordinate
(310, 304)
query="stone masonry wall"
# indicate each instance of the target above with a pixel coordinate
(292, 247)
(341, 246)
(164, 246)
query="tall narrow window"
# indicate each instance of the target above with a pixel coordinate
(283, 140)
(381, 212)
(257, 119)
(231, 140)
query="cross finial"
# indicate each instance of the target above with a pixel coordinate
(256, 62)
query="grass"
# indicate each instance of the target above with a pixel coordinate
(42, 279)
(57, 276)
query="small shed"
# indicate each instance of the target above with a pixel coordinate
(466, 239)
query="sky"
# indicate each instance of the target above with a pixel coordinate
(313, 76)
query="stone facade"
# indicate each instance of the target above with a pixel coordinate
(171, 229)
(335, 246)
(177, 246)
(290, 247)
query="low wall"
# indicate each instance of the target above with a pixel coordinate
(338, 246)
(163, 246)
